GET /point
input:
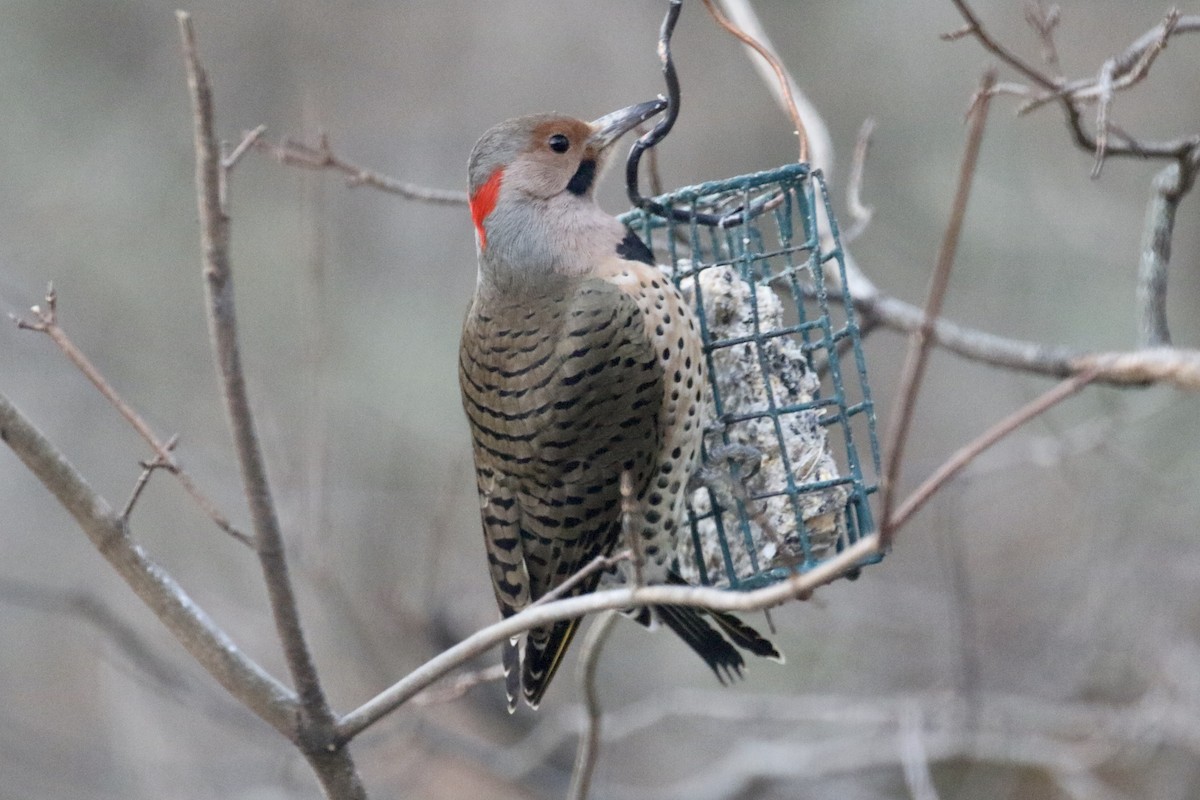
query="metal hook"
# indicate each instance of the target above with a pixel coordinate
(660, 131)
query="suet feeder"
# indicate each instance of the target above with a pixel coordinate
(784, 484)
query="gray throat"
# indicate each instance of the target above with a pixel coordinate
(530, 243)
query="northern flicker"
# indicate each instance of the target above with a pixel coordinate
(581, 371)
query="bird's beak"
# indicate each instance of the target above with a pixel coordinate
(611, 127)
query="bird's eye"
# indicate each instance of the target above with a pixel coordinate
(559, 143)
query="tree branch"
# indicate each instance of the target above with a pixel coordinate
(187, 622)
(967, 454)
(860, 213)
(461, 684)
(332, 763)
(797, 586)
(1157, 232)
(321, 156)
(1177, 367)
(46, 321)
(588, 750)
(921, 342)
(758, 44)
(1120, 72)
(1044, 21)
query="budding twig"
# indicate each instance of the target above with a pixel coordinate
(321, 156)
(46, 321)
(921, 341)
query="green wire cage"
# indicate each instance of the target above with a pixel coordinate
(783, 485)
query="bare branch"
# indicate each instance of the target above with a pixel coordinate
(46, 321)
(1122, 71)
(331, 763)
(742, 14)
(975, 28)
(588, 751)
(1104, 98)
(1134, 64)
(1180, 368)
(956, 463)
(148, 468)
(860, 213)
(1044, 21)
(1157, 233)
(459, 686)
(533, 616)
(321, 156)
(597, 564)
(921, 341)
(1143, 367)
(248, 140)
(201, 637)
(784, 82)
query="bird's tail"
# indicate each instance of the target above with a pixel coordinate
(745, 636)
(714, 649)
(510, 660)
(544, 649)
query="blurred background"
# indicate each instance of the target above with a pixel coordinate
(1048, 590)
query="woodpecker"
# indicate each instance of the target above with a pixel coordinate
(582, 374)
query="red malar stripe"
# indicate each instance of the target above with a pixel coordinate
(483, 202)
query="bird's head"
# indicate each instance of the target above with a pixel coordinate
(531, 190)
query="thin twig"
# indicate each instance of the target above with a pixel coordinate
(183, 617)
(534, 616)
(1128, 68)
(781, 75)
(459, 686)
(321, 156)
(228, 162)
(1177, 367)
(1105, 93)
(974, 27)
(148, 468)
(957, 462)
(588, 751)
(248, 140)
(597, 564)
(1044, 21)
(921, 341)
(331, 763)
(1157, 233)
(1137, 368)
(46, 321)
(820, 143)
(860, 213)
